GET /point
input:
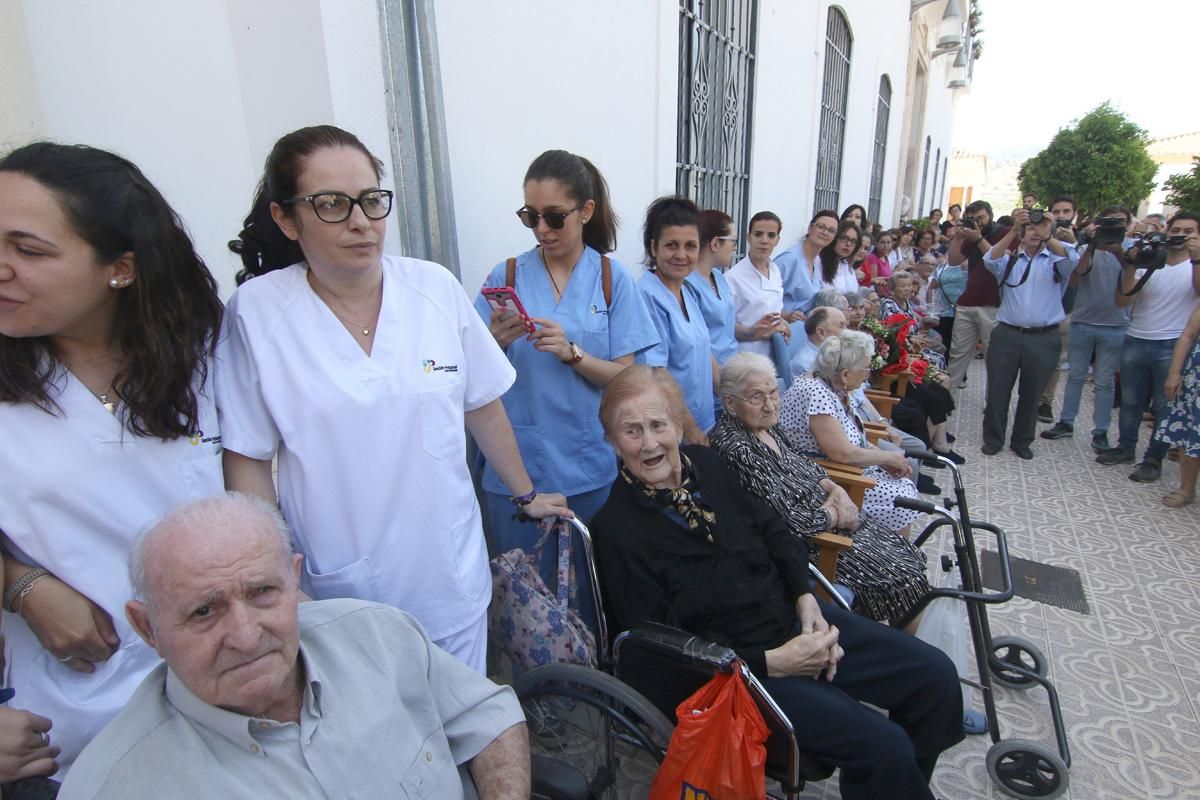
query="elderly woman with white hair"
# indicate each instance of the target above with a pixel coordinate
(885, 571)
(817, 415)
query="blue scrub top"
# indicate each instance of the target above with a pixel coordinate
(798, 286)
(683, 347)
(718, 311)
(554, 411)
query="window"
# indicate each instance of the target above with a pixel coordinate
(933, 199)
(834, 95)
(924, 176)
(883, 110)
(716, 88)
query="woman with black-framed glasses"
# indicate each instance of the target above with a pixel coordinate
(836, 272)
(358, 371)
(589, 321)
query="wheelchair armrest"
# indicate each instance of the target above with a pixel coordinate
(678, 644)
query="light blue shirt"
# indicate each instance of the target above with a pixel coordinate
(951, 283)
(717, 308)
(799, 286)
(1037, 302)
(805, 356)
(554, 411)
(683, 346)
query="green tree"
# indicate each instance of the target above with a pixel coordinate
(1184, 188)
(1100, 160)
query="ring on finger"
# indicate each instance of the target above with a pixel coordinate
(65, 659)
(45, 738)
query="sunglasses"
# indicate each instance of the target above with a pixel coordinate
(555, 219)
(337, 206)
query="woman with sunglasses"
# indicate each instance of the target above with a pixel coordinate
(358, 370)
(836, 272)
(590, 324)
(671, 236)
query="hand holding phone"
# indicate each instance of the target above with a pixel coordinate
(504, 299)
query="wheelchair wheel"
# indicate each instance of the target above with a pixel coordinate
(597, 724)
(1027, 769)
(1019, 652)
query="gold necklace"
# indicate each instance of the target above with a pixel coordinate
(366, 330)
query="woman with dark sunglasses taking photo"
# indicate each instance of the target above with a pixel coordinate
(358, 370)
(589, 323)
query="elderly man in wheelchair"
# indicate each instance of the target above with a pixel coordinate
(679, 542)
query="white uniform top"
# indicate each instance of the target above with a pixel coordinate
(843, 280)
(755, 296)
(373, 475)
(77, 488)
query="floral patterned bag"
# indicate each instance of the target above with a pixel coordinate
(529, 623)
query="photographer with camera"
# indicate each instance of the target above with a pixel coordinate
(975, 312)
(1097, 326)
(1160, 284)
(1025, 345)
(1062, 209)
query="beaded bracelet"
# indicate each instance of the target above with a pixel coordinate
(525, 499)
(21, 587)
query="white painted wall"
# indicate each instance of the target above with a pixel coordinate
(597, 79)
(194, 93)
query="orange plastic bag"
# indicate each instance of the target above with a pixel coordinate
(718, 750)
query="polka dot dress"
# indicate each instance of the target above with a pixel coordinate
(809, 396)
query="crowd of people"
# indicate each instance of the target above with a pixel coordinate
(180, 474)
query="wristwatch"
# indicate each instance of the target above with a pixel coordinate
(576, 354)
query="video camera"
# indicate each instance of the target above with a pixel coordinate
(1109, 230)
(1150, 254)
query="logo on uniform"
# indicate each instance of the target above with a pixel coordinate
(598, 310)
(198, 437)
(429, 365)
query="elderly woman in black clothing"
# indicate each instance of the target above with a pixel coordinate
(680, 542)
(883, 568)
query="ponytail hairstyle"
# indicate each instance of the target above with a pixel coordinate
(714, 223)
(828, 255)
(261, 244)
(166, 321)
(583, 182)
(664, 212)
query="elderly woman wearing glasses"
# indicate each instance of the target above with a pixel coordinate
(680, 542)
(817, 416)
(885, 571)
(590, 323)
(357, 370)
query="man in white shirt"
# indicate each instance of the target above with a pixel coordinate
(263, 696)
(1159, 312)
(1025, 345)
(821, 323)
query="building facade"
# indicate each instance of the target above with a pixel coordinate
(745, 105)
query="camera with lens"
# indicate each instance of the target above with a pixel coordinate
(1151, 251)
(1062, 223)
(969, 223)
(1036, 215)
(1109, 230)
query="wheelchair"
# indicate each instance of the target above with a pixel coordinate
(611, 725)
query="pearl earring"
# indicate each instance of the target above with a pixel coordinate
(114, 283)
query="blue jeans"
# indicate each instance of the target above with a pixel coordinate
(1144, 365)
(1082, 340)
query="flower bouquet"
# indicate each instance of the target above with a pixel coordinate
(892, 347)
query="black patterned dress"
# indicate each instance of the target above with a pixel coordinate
(883, 568)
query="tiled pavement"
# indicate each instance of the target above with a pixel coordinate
(1128, 673)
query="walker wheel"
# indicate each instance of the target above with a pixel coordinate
(1027, 769)
(1019, 652)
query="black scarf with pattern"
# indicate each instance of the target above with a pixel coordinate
(700, 518)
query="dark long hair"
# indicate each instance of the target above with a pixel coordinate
(714, 223)
(666, 211)
(166, 321)
(583, 182)
(828, 255)
(865, 222)
(261, 244)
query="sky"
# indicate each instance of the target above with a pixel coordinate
(1045, 64)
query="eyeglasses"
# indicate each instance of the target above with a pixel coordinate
(555, 219)
(758, 399)
(848, 239)
(337, 206)
(824, 229)
(730, 239)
